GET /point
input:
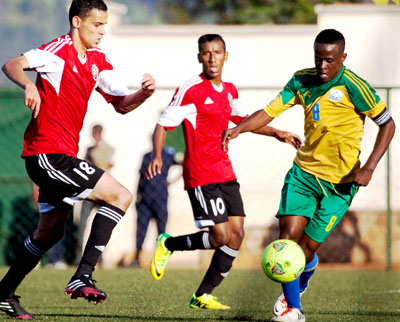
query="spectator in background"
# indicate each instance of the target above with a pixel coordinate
(152, 197)
(101, 155)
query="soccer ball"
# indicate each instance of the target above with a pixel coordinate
(283, 260)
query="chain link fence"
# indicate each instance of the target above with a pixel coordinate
(18, 209)
(368, 236)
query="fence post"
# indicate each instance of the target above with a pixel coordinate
(388, 200)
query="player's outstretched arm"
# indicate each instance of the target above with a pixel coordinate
(130, 102)
(283, 136)
(14, 69)
(255, 121)
(364, 174)
(155, 166)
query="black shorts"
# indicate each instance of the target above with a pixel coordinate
(62, 179)
(214, 203)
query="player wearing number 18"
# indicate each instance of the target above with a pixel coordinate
(326, 173)
(68, 69)
(205, 105)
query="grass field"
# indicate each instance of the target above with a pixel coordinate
(133, 295)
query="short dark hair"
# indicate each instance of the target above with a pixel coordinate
(330, 36)
(210, 37)
(82, 8)
(97, 128)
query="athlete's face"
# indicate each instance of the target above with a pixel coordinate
(91, 29)
(329, 60)
(213, 56)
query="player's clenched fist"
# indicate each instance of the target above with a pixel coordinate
(148, 84)
(32, 99)
(229, 134)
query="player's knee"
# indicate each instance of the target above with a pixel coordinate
(290, 233)
(121, 199)
(238, 234)
(126, 198)
(221, 238)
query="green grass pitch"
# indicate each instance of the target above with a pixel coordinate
(334, 295)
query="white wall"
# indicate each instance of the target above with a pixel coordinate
(259, 56)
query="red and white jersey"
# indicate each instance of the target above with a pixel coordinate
(205, 111)
(65, 82)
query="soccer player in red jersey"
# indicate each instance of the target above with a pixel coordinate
(68, 69)
(205, 105)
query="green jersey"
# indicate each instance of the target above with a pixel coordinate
(334, 116)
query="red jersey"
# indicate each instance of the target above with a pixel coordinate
(205, 111)
(65, 82)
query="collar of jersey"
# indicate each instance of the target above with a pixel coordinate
(319, 89)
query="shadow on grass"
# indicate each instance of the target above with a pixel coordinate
(153, 318)
(364, 313)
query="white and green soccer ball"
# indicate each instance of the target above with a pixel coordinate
(283, 260)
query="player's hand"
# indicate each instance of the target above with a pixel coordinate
(154, 168)
(229, 134)
(32, 99)
(363, 176)
(288, 137)
(148, 85)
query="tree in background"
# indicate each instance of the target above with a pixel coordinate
(25, 23)
(225, 11)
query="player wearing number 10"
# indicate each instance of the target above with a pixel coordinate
(205, 105)
(68, 69)
(326, 174)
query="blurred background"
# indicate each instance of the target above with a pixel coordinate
(267, 40)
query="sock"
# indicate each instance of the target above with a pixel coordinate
(107, 217)
(291, 291)
(220, 266)
(308, 272)
(199, 240)
(26, 260)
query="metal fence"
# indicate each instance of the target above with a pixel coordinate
(368, 237)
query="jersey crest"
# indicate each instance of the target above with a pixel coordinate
(335, 95)
(95, 72)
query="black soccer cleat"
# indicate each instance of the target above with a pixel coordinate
(84, 287)
(13, 309)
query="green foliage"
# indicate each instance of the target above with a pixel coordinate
(26, 24)
(224, 11)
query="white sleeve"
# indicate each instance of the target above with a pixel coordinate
(44, 61)
(174, 115)
(110, 83)
(238, 109)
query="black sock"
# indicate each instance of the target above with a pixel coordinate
(199, 240)
(106, 218)
(26, 260)
(219, 268)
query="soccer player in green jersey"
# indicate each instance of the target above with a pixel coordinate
(326, 173)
